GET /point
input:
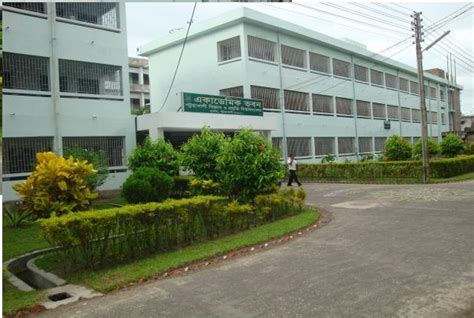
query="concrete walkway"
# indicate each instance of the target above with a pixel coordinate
(390, 251)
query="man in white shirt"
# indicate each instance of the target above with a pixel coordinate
(292, 168)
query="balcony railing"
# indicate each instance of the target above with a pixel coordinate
(139, 88)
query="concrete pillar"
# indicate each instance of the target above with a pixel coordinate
(157, 133)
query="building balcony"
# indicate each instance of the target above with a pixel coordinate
(139, 88)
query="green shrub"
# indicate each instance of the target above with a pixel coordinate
(451, 145)
(147, 185)
(469, 149)
(433, 148)
(159, 155)
(397, 149)
(16, 218)
(98, 159)
(203, 187)
(181, 187)
(329, 158)
(451, 167)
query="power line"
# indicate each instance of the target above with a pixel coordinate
(377, 11)
(400, 6)
(393, 9)
(449, 18)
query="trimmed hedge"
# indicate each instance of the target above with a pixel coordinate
(446, 168)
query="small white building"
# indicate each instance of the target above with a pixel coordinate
(139, 84)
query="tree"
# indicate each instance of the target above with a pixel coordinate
(159, 155)
(451, 145)
(433, 148)
(397, 148)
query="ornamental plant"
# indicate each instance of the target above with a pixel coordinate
(397, 148)
(433, 148)
(451, 145)
(159, 155)
(147, 185)
(57, 185)
(97, 158)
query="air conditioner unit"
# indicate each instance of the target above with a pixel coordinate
(386, 124)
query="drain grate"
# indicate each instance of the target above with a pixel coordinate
(60, 296)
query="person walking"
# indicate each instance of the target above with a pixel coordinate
(292, 169)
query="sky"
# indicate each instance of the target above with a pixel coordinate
(148, 21)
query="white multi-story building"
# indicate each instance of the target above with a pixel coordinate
(321, 95)
(65, 85)
(139, 85)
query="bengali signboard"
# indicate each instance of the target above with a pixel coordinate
(201, 103)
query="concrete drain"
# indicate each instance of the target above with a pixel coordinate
(60, 296)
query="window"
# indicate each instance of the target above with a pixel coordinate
(363, 109)
(378, 110)
(442, 93)
(261, 49)
(434, 117)
(293, 57)
(237, 91)
(415, 139)
(277, 144)
(345, 145)
(443, 119)
(112, 147)
(324, 146)
(376, 77)
(25, 72)
(403, 84)
(100, 13)
(361, 73)
(341, 68)
(323, 104)
(379, 143)
(296, 101)
(135, 103)
(299, 146)
(319, 63)
(134, 78)
(392, 112)
(416, 115)
(37, 7)
(343, 106)
(365, 144)
(146, 79)
(89, 78)
(406, 114)
(433, 93)
(414, 88)
(268, 95)
(228, 49)
(19, 154)
(390, 81)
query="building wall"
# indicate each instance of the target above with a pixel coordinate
(139, 91)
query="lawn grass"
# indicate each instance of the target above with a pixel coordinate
(15, 300)
(18, 241)
(462, 177)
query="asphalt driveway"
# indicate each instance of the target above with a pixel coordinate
(389, 251)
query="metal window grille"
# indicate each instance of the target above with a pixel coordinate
(376, 77)
(134, 78)
(277, 144)
(38, 7)
(365, 144)
(237, 91)
(100, 13)
(341, 68)
(261, 49)
(443, 119)
(442, 93)
(416, 115)
(346, 145)
(90, 78)
(379, 143)
(299, 146)
(378, 110)
(19, 154)
(406, 114)
(434, 117)
(268, 95)
(296, 101)
(135, 103)
(343, 106)
(112, 147)
(324, 146)
(293, 56)
(25, 72)
(229, 49)
(404, 83)
(392, 112)
(361, 73)
(323, 104)
(391, 81)
(433, 93)
(414, 88)
(363, 108)
(319, 63)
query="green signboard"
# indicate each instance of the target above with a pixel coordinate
(201, 103)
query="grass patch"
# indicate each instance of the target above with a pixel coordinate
(15, 300)
(462, 177)
(18, 241)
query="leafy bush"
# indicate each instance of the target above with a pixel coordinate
(181, 186)
(249, 166)
(451, 167)
(397, 149)
(159, 155)
(16, 218)
(469, 149)
(433, 148)
(203, 187)
(328, 158)
(451, 145)
(98, 159)
(57, 185)
(147, 185)
(200, 153)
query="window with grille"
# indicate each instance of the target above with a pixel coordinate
(415, 139)
(346, 145)
(37, 7)
(135, 103)
(25, 72)
(379, 143)
(406, 113)
(293, 57)
(296, 101)
(376, 77)
(133, 78)
(324, 146)
(19, 154)
(299, 146)
(365, 144)
(237, 91)
(111, 147)
(433, 93)
(268, 95)
(392, 112)
(319, 63)
(443, 119)
(90, 78)
(341, 68)
(414, 88)
(442, 93)
(228, 49)
(261, 49)
(378, 110)
(343, 106)
(363, 108)
(361, 73)
(277, 144)
(105, 14)
(434, 117)
(390, 81)
(416, 115)
(323, 104)
(404, 83)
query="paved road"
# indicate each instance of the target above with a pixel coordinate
(390, 251)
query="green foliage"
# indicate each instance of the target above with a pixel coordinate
(98, 159)
(16, 218)
(328, 158)
(200, 153)
(451, 145)
(159, 155)
(249, 166)
(203, 187)
(451, 167)
(469, 149)
(147, 185)
(181, 186)
(397, 148)
(433, 148)
(367, 157)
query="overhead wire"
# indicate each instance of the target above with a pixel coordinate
(377, 11)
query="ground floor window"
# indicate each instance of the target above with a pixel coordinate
(113, 147)
(19, 154)
(346, 145)
(365, 144)
(299, 146)
(380, 143)
(324, 146)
